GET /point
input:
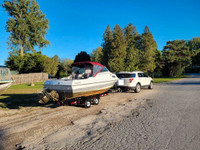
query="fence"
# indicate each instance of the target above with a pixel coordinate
(29, 78)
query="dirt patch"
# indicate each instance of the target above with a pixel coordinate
(64, 126)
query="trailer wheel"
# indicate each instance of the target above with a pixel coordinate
(96, 101)
(87, 103)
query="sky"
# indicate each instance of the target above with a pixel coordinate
(78, 25)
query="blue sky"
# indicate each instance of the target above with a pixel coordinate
(78, 25)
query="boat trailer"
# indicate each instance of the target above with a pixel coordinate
(45, 97)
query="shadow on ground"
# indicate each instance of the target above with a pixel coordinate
(16, 101)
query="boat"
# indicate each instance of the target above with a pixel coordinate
(87, 79)
(5, 78)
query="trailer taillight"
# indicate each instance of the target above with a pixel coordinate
(131, 80)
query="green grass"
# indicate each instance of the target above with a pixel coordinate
(162, 80)
(37, 85)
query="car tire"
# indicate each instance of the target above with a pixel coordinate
(151, 85)
(138, 88)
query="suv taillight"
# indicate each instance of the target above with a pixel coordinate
(131, 80)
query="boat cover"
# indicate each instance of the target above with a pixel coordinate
(97, 67)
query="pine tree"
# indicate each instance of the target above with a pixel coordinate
(147, 51)
(107, 45)
(97, 55)
(132, 57)
(117, 56)
(177, 56)
(194, 45)
(27, 25)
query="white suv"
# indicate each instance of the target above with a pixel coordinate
(134, 80)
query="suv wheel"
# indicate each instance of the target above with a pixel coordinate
(137, 88)
(151, 85)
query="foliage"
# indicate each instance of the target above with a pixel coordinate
(117, 54)
(132, 53)
(66, 65)
(97, 55)
(194, 45)
(147, 51)
(27, 25)
(50, 65)
(82, 56)
(192, 69)
(107, 45)
(159, 64)
(33, 62)
(177, 57)
(128, 50)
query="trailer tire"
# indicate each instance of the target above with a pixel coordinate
(87, 103)
(96, 101)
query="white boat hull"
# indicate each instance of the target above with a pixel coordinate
(4, 86)
(84, 87)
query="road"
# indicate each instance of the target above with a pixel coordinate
(171, 122)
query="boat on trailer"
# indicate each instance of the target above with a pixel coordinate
(5, 78)
(87, 79)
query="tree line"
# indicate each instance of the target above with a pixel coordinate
(121, 50)
(127, 50)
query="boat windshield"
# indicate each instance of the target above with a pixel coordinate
(82, 72)
(4, 74)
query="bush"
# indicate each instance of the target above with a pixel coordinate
(33, 62)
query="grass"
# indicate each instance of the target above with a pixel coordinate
(162, 80)
(19, 96)
(38, 85)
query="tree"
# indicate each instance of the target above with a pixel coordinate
(148, 51)
(194, 45)
(27, 25)
(82, 56)
(97, 55)
(159, 64)
(177, 56)
(50, 65)
(132, 56)
(116, 57)
(66, 65)
(33, 62)
(64, 68)
(107, 45)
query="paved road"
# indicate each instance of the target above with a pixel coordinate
(172, 123)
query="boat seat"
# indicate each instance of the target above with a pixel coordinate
(88, 72)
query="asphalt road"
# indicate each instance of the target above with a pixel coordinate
(172, 121)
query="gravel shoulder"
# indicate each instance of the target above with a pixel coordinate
(172, 121)
(166, 117)
(63, 126)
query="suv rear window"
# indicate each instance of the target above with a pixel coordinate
(126, 75)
